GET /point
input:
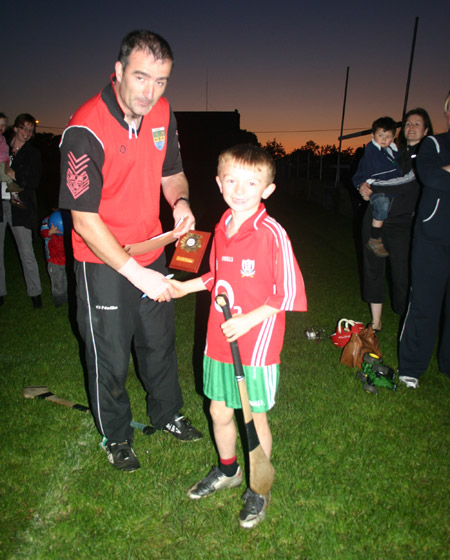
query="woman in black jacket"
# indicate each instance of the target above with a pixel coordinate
(397, 227)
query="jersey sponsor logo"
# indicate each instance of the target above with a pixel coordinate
(106, 307)
(77, 177)
(227, 259)
(159, 137)
(247, 268)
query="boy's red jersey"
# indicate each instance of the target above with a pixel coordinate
(254, 267)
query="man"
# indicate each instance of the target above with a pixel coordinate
(25, 171)
(118, 151)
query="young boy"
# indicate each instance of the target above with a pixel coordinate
(10, 186)
(52, 231)
(253, 262)
(379, 162)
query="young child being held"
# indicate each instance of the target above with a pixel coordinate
(11, 187)
(379, 162)
(253, 263)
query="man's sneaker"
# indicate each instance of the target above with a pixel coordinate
(411, 382)
(254, 510)
(377, 247)
(214, 481)
(121, 455)
(182, 429)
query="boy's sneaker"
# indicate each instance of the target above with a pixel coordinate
(182, 429)
(121, 455)
(215, 480)
(411, 382)
(377, 247)
(254, 510)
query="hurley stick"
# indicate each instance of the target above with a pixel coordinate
(43, 392)
(261, 469)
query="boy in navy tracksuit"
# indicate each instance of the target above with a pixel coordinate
(379, 162)
(430, 265)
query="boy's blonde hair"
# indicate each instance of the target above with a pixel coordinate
(251, 156)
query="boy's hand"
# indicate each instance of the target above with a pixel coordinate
(176, 288)
(365, 191)
(240, 324)
(53, 230)
(237, 326)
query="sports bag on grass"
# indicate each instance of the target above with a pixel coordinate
(358, 345)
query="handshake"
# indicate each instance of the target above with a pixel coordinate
(152, 283)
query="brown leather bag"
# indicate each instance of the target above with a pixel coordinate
(360, 343)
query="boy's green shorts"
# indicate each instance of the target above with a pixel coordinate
(219, 384)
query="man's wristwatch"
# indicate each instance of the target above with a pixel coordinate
(181, 198)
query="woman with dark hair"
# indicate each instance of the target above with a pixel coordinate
(25, 170)
(397, 227)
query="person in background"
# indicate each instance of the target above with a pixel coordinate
(25, 171)
(430, 265)
(52, 232)
(117, 153)
(10, 186)
(397, 227)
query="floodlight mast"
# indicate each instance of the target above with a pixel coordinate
(405, 104)
(411, 59)
(338, 174)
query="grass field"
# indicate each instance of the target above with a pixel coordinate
(358, 476)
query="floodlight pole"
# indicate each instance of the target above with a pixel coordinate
(342, 128)
(399, 124)
(411, 59)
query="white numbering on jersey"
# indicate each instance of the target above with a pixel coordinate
(223, 286)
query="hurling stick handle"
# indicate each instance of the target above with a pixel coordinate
(222, 301)
(69, 404)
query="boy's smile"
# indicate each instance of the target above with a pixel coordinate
(243, 188)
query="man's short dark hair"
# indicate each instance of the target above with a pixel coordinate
(147, 41)
(24, 118)
(385, 123)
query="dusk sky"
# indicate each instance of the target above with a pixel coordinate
(281, 64)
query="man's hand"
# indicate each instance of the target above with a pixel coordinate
(150, 282)
(183, 213)
(175, 188)
(365, 191)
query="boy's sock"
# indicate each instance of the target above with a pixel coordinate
(376, 232)
(228, 466)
